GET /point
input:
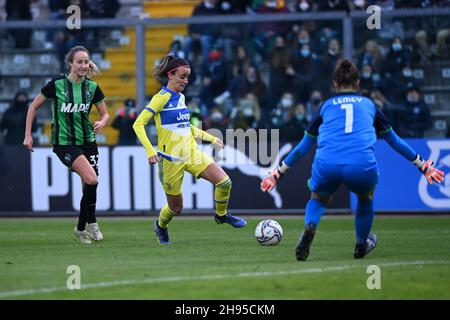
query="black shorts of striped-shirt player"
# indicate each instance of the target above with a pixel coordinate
(68, 154)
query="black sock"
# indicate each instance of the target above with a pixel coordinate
(82, 218)
(89, 201)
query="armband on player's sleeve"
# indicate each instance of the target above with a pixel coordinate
(274, 176)
(428, 170)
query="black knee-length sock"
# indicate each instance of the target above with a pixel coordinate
(88, 203)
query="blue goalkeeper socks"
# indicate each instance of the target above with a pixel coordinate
(314, 211)
(363, 220)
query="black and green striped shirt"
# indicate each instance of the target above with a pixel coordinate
(71, 105)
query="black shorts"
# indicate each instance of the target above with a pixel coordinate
(68, 154)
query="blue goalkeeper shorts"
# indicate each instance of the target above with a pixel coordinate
(326, 178)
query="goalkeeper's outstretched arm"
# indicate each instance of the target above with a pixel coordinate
(300, 150)
(425, 167)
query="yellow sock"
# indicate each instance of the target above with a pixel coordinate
(165, 215)
(222, 195)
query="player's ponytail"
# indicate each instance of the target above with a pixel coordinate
(168, 65)
(93, 70)
(346, 75)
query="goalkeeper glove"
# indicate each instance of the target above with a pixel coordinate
(426, 168)
(274, 176)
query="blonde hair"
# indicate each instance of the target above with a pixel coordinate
(93, 69)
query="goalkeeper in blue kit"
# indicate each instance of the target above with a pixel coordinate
(345, 128)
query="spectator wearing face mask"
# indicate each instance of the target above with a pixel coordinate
(232, 34)
(266, 32)
(214, 78)
(295, 128)
(371, 56)
(305, 64)
(124, 121)
(274, 6)
(216, 120)
(234, 6)
(199, 34)
(250, 82)
(288, 118)
(413, 117)
(356, 5)
(305, 6)
(303, 37)
(419, 25)
(366, 84)
(395, 90)
(328, 63)
(241, 61)
(363, 32)
(300, 116)
(13, 120)
(283, 111)
(313, 104)
(370, 85)
(247, 113)
(281, 70)
(398, 57)
(328, 29)
(323, 37)
(407, 80)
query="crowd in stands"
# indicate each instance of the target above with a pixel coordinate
(276, 74)
(124, 121)
(60, 39)
(12, 124)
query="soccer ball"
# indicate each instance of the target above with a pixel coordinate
(268, 233)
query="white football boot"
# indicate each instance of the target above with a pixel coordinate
(82, 235)
(94, 231)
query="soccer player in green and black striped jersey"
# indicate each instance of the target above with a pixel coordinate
(73, 136)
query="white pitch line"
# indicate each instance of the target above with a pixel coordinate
(16, 293)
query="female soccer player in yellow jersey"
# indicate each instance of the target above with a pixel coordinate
(177, 150)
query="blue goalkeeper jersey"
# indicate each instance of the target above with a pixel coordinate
(346, 128)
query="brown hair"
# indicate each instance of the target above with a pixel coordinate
(346, 75)
(93, 69)
(168, 65)
(258, 88)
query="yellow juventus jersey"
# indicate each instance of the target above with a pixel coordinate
(175, 133)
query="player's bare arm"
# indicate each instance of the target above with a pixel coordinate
(35, 105)
(100, 124)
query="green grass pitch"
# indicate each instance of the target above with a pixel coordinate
(210, 261)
